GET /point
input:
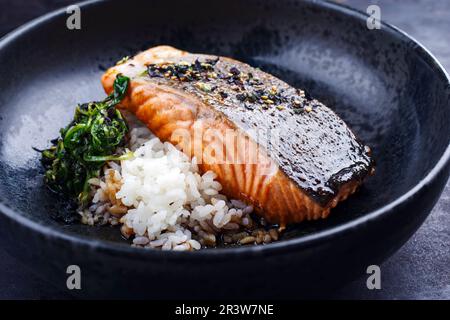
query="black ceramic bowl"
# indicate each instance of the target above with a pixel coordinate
(387, 87)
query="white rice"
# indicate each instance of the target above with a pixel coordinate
(162, 200)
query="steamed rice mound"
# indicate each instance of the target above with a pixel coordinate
(162, 201)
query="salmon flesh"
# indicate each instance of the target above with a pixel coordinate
(271, 145)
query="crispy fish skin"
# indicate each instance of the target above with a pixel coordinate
(317, 163)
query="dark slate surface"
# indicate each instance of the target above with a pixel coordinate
(419, 270)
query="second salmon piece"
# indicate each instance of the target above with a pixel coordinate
(270, 144)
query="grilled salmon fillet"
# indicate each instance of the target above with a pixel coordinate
(271, 145)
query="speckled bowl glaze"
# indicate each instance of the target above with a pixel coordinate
(386, 86)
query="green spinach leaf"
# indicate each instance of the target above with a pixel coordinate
(91, 139)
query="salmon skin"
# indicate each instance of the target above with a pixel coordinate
(288, 155)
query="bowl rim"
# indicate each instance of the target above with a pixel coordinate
(248, 251)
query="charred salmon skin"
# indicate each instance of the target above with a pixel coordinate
(270, 144)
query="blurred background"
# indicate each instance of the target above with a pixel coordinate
(419, 270)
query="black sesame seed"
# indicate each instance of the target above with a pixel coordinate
(224, 95)
(241, 96)
(212, 61)
(197, 65)
(235, 71)
(307, 95)
(249, 106)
